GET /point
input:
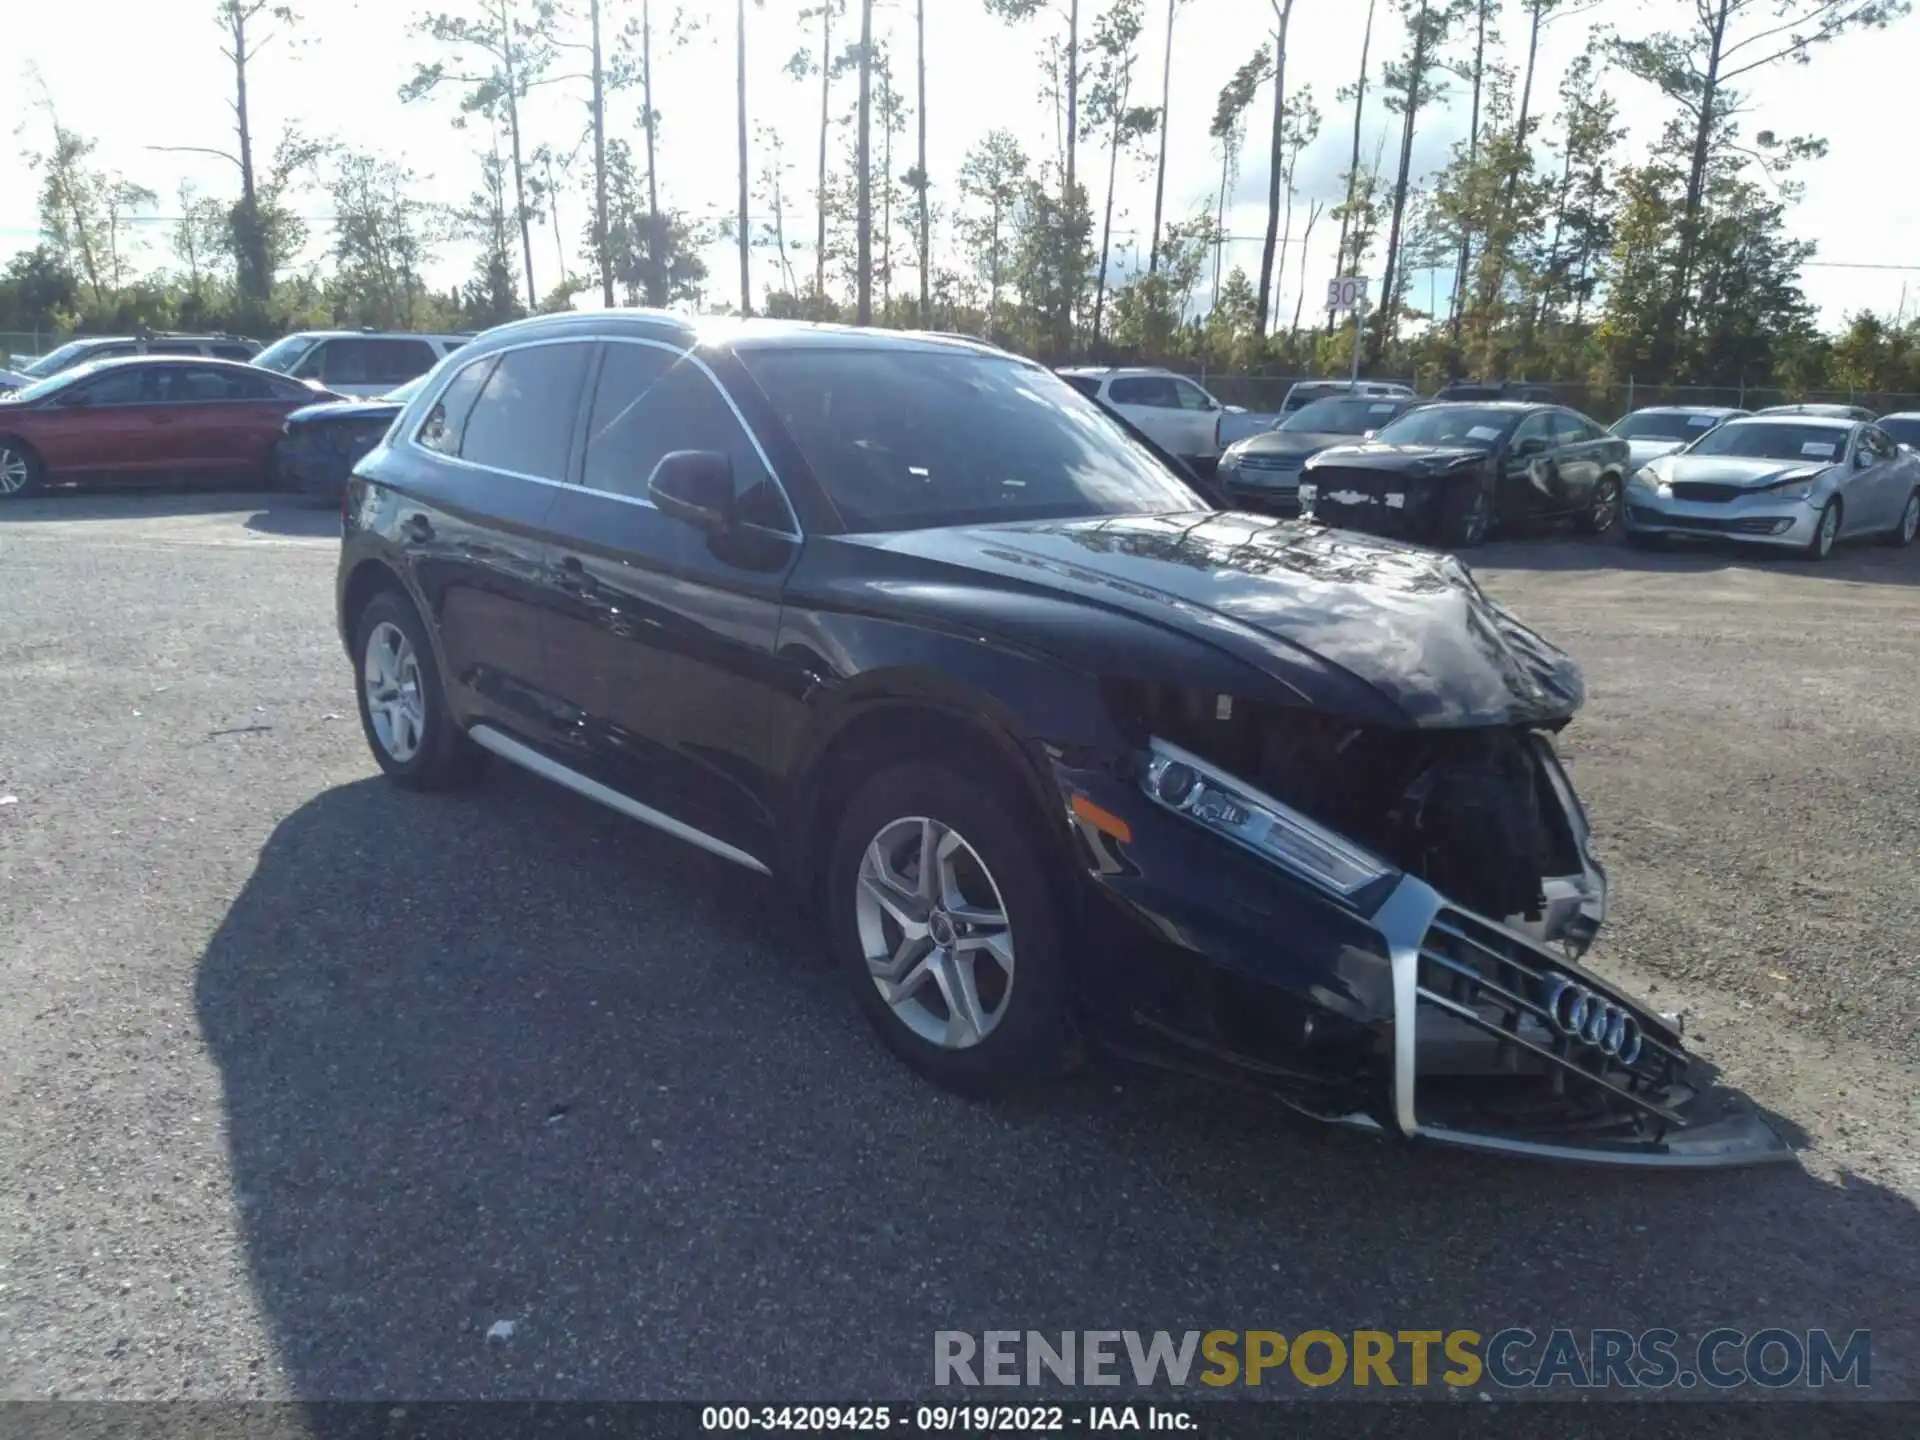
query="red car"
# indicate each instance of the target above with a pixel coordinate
(145, 418)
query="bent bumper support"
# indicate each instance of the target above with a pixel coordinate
(1458, 977)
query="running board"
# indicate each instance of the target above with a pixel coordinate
(512, 751)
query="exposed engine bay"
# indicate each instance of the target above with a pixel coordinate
(1468, 811)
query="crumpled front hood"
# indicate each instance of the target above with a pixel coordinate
(1399, 459)
(1734, 470)
(1411, 625)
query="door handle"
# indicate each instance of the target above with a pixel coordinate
(417, 528)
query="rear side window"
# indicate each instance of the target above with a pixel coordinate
(522, 421)
(1569, 429)
(1154, 391)
(649, 403)
(447, 421)
(1085, 384)
(394, 362)
(231, 351)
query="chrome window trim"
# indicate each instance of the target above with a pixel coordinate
(431, 398)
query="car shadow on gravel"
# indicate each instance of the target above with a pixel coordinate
(524, 1100)
(1862, 563)
(306, 519)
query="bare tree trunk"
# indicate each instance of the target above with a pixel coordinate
(740, 92)
(250, 264)
(1497, 275)
(863, 219)
(1160, 171)
(553, 200)
(826, 126)
(1073, 91)
(507, 52)
(886, 201)
(926, 219)
(1678, 307)
(646, 99)
(1417, 63)
(602, 256)
(1267, 253)
(1306, 239)
(1353, 166)
(1106, 224)
(1473, 151)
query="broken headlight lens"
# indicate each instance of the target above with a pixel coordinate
(1187, 785)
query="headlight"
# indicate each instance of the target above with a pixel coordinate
(1186, 784)
(1645, 476)
(1794, 489)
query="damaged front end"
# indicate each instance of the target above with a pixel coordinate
(1469, 855)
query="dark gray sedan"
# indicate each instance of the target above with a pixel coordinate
(1262, 472)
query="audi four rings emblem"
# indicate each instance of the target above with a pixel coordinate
(1579, 1014)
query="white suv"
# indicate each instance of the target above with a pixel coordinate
(1176, 414)
(358, 362)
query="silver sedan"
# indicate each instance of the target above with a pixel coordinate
(1799, 482)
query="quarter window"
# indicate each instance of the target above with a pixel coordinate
(651, 402)
(447, 421)
(522, 421)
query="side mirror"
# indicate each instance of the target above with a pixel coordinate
(694, 486)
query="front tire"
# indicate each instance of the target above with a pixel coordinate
(1603, 507)
(1902, 534)
(1466, 514)
(1826, 532)
(21, 473)
(943, 918)
(403, 705)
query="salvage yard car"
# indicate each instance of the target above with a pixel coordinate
(145, 419)
(1795, 481)
(1263, 471)
(320, 444)
(1447, 474)
(1662, 429)
(1056, 747)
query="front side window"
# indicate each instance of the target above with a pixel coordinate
(650, 402)
(121, 385)
(1876, 445)
(195, 384)
(1567, 428)
(285, 355)
(522, 420)
(393, 362)
(1903, 429)
(1191, 396)
(904, 439)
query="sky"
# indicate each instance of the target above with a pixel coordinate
(138, 74)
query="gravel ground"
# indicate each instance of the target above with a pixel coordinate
(305, 1083)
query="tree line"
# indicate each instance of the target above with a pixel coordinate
(1570, 256)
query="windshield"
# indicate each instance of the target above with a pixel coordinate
(1773, 440)
(1664, 425)
(1905, 429)
(283, 355)
(55, 360)
(902, 440)
(53, 384)
(1472, 425)
(1343, 416)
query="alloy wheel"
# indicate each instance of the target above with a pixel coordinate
(1606, 506)
(14, 471)
(396, 704)
(1910, 519)
(1475, 528)
(935, 933)
(1828, 533)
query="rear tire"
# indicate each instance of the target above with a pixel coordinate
(960, 967)
(21, 473)
(1902, 534)
(403, 704)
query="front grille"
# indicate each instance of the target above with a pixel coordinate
(1271, 464)
(1714, 524)
(1489, 1057)
(1709, 494)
